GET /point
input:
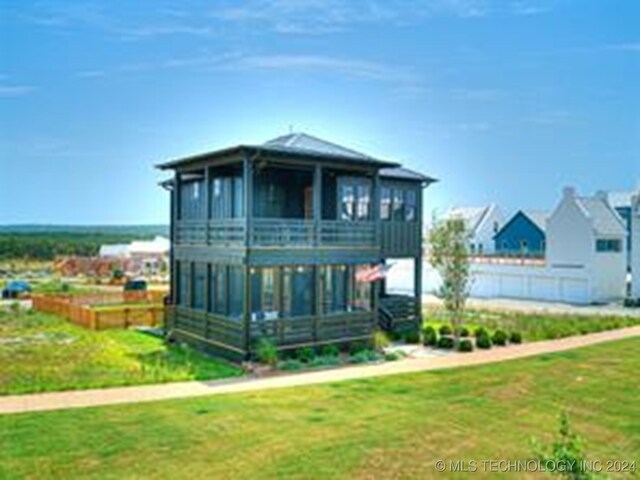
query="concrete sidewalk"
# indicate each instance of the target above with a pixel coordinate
(121, 395)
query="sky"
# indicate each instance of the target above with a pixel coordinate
(503, 101)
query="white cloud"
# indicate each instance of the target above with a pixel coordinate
(8, 91)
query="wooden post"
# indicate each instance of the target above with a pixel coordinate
(417, 271)
(375, 211)
(317, 240)
(206, 198)
(317, 203)
(248, 212)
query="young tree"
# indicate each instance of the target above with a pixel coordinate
(449, 255)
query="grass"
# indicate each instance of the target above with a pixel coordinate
(535, 327)
(389, 427)
(56, 355)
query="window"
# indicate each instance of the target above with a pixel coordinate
(347, 202)
(182, 276)
(219, 289)
(363, 202)
(524, 246)
(385, 203)
(410, 208)
(334, 288)
(361, 292)
(198, 282)
(297, 291)
(191, 205)
(496, 227)
(238, 197)
(236, 291)
(265, 286)
(398, 204)
(480, 248)
(608, 245)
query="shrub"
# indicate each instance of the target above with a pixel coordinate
(480, 331)
(267, 352)
(391, 356)
(325, 361)
(357, 347)
(500, 338)
(515, 337)
(483, 341)
(412, 337)
(429, 336)
(329, 351)
(463, 332)
(364, 356)
(445, 330)
(380, 340)
(465, 345)
(305, 354)
(291, 364)
(445, 342)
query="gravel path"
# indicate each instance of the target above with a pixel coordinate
(120, 395)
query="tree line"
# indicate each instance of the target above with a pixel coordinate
(47, 246)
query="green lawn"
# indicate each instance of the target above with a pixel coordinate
(535, 327)
(40, 352)
(390, 427)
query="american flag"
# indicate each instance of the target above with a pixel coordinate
(372, 274)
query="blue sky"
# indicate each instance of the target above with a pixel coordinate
(504, 101)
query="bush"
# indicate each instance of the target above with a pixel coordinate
(515, 337)
(391, 356)
(412, 337)
(329, 351)
(429, 336)
(380, 340)
(357, 347)
(445, 330)
(291, 364)
(465, 345)
(463, 332)
(500, 338)
(305, 354)
(267, 352)
(483, 341)
(364, 356)
(480, 331)
(325, 361)
(445, 342)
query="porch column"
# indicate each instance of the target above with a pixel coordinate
(317, 203)
(417, 280)
(206, 194)
(317, 229)
(175, 217)
(375, 210)
(247, 172)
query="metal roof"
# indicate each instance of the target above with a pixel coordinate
(295, 145)
(604, 218)
(402, 173)
(538, 217)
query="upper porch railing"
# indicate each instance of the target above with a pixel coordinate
(277, 232)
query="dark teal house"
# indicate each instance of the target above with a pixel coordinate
(523, 235)
(287, 241)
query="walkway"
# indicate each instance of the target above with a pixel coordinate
(120, 395)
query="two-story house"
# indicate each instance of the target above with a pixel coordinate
(285, 241)
(481, 224)
(524, 234)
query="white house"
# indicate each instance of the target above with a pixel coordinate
(481, 223)
(587, 234)
(635, 247)
(585, 260)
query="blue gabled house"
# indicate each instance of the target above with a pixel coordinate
(523, 234)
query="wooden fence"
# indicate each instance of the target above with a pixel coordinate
(83, 314)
